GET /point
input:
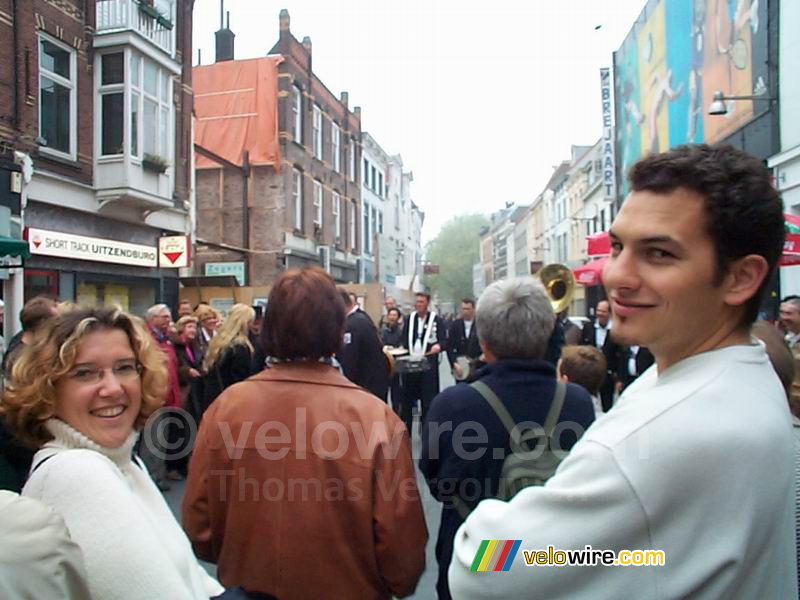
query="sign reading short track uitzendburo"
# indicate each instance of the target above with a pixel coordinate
(81, 247)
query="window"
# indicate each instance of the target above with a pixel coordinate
(367, 237)
(112, 103)
(337, 221)
(380, 184)
(373, 222)
(297, 198)
(353, 224)
(380, 222)
(57, 106)
(372, 182)
(366, 173)
(352, 159)
(151, 108)
(318, 204)
(297, 112)
(336, 148)
(317, 138)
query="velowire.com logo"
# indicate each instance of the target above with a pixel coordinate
(495, 555)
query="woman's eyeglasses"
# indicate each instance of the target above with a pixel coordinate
(124, 370)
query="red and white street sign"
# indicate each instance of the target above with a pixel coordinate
(174, 252)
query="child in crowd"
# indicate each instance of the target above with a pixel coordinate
(586, 366)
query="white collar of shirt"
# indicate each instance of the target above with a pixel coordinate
(352, 310)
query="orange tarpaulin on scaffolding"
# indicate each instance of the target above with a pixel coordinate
(236, 108)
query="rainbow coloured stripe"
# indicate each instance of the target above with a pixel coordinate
(495, 555)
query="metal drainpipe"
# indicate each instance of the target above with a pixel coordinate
(246, 213)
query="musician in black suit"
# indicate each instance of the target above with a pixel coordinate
(362, 358)
(634, 360)
(462, 339)
(597, 333)
(423, 333)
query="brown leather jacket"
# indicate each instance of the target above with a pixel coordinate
(301, 485)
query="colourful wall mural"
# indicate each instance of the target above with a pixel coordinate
(678, 53)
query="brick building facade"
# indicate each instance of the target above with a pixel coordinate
(95, 106)
(305, 208)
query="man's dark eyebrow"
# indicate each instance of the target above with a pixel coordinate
(653, 239)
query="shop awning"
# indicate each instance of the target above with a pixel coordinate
(14, 247)
(598, 244)
(591, 273)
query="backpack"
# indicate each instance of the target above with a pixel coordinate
(532, 460)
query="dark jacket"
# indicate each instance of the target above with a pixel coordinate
(644, 358)
(233, 365)
(191, 387)
(361, 356)
(612, 351)
(459, 345)
(392, 337)
(526, 388)
(15, 460)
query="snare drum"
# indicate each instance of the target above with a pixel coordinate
(411, 364)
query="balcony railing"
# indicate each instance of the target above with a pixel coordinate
(153, 21)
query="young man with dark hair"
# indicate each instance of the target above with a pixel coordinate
(462, 341)
(696, 459)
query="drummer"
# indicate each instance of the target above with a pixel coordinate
(424, 337)
(392, 337)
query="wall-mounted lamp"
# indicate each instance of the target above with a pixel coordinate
(718, 105)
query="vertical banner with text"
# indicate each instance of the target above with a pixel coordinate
(608, 141)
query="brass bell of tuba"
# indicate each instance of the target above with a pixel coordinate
(559, 283)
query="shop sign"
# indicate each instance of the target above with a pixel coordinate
(227, 268)
(173, 252)
(80, 247)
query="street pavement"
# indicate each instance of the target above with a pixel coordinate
(426, 589)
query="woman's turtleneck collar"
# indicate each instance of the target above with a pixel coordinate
(66, 436)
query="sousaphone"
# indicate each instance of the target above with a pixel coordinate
(559, 283)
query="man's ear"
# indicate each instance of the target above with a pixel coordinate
(744, 277)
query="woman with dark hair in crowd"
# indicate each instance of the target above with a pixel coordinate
(80, 392)
(319, 494)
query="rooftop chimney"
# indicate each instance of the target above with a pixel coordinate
(357, 111)
(345, 98)
(224, 37)
(307, 44)
(284, 20)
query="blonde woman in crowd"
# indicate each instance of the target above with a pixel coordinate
(80, 392)
(230, 353)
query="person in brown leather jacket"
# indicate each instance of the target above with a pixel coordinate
(301, 484)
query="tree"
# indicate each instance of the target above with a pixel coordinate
(455, 249)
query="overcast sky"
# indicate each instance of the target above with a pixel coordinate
(480, 98)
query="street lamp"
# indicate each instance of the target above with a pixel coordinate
(718, 106)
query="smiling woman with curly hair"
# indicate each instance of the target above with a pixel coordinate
(80, 392)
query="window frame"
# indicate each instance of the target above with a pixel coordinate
(297, 109)
(336, 205)
(71, 84)
(108, 89)
(336, 147)
(353, 225)
(353, 159)
(318, 203)
(317, 132)
(297, 199)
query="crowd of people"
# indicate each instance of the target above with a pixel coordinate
(668, 423)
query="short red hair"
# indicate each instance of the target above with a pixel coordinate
(305, 316)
